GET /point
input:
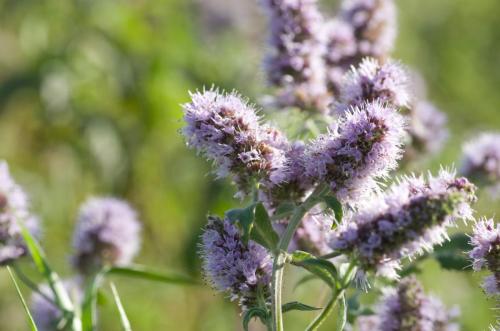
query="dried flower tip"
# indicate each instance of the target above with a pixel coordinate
(242, 270)
(107, 233)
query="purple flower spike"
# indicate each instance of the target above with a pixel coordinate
(408, 308)
(364, 146)
(374, 23)
(410, 218)
(481, 161)
(226, 130)
(295, 64)
(486, 253)
(14, 208)
(373, 80)
(107, 233)
(230, 265)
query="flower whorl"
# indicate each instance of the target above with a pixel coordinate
(107, 233)
(295, 64)
(373, 80)
(409, 218)
(14, 207)
(364, 146)
(486, 253)
(408, 308)
(481, 160)
(232, 266)
(374, 24)
(226, 130)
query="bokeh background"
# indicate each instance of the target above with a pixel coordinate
(89, 105)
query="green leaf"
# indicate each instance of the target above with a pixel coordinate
(60, 294)
(123, 316)
(142, 272)
(451, 255)
(25, 306)
(304, 280)
(336, 206)
(262, 231)
(342, 319)
(89, 304)
(295, 305)
(254, 313)
(284, 210)
(322, 268)
(245, 217)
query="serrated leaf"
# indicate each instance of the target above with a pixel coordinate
(322, 268)
(245, 217)
(142, 272)
(342, 319)
(262, 231)
(336, 206)
(284, 210)
(295, 305)
(23, 301)
(254, 313)
(125, 323)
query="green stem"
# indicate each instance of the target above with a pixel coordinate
(280, 258)
(31, 284)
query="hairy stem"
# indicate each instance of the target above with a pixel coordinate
(280, 258)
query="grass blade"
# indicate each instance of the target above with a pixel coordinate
(139, 271)
(26, 309)
(123, 316)
(89, 305)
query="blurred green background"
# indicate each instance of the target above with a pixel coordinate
(89, 105)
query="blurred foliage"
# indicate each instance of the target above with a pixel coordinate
(89, 104)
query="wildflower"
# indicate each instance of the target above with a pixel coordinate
(14, 209)
(409, 218)
(373, 80)
(486, 253)
(226, 130)
(47, 316)
(295, 64)
(374, 23)
(427, 129)
(408, 308)
(107, 233)
(481, 161)
(230, 265)
(364, 146)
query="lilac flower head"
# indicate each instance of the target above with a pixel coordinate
(481, 160)
(295, 63)
(230, 265)
(374, 23)
(408, 308)
(428, 131)
(411, 217)
(47, 316)
(373, 80)
(14, 208)
(225, 129)
(107, 233)
(364, 146)
(486, 253)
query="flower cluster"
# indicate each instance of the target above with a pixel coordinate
(14, 209)
(373, 80)
(408, 308)
(226, 130)
(408, 219)
(230, 265)
(295, 63)
(481, 160)
(107, 233)
(486, 253)
(374, 24)
(364, 146)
